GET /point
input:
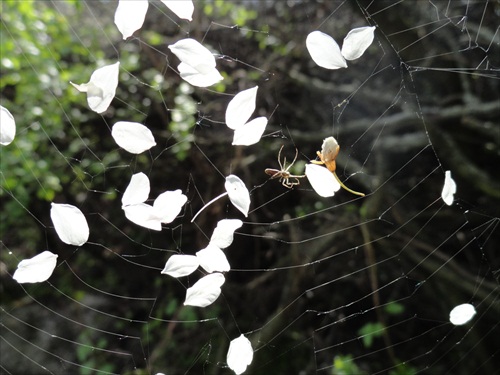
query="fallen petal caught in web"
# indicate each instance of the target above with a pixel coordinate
(130, 15)
(197, 65)
(449, 189)
(223, 234)
(205, 291)
(462, 314)
(180, 265)
(195, 78)
(241, 107)
(322, 180)
(70, 224)
(325, 51)
(238, 193)
(132, 136)
(213, 259)
(194, 54)
(250, 133)
(101, 88)
(357, 41)
(142, 214)
(168, 205)
(36, 269)
(137, 190)
(7, 127)
(240, 354)
(183, 9)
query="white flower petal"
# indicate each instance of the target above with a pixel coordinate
(250, 133)
(7, 127)
(194, 54)
(132, 136)
(70, 224)
(462, 314)
(325, 51)
(130, 15)
(137, 190)
(182, 8)
(142, 214)
(357, 41)
(168, 205)
(241, 107)
(322, 180)
(180, 265)
(205, 291)
(197, 63)
(36, 269)
(224, 232)
(449, 189)
(213, 259)
(239, 355)
(238, 193)
(101, 88)
(195, 78)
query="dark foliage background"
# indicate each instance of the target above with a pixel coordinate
(423, 99)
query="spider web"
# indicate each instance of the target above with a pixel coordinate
(341, 285)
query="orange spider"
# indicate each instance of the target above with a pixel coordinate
(287, 179)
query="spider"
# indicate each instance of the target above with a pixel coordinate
(329, 151)
(287, 179)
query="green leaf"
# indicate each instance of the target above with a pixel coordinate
(370, 331)
(394, 308)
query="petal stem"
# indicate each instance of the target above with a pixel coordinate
(208, 204)
(346, 188)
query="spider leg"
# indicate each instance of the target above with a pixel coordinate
(295, 158)
(279, 158)
(286, 183)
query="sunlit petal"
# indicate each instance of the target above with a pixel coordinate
(168, 205)
(36, 269)
(142, 214)
(223, 234)
(238, 193)
(194, 54)
(182, 8)
(241, 107)
(239, 355)
(132, 136)
(130, 15)
(325, 51)
(213, 259)
(322, 180)
(195, 78)
(462, 314)
(101, 88)
(205, 291)
(7, 127)
(449, 189)
(70, 224)
(137, 190)
(250, 133)
(357, 41)
(180, 265)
